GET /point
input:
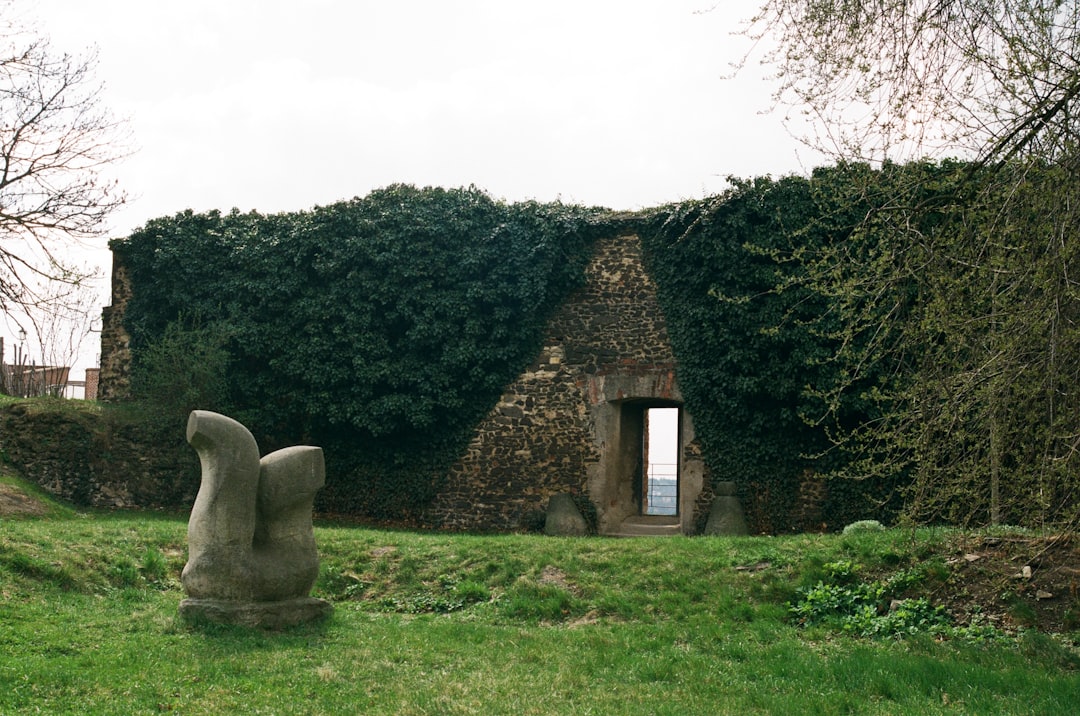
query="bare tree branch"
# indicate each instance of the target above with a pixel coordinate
(56, 143)
(901, 79)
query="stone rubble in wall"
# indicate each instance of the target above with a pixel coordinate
(539, 439)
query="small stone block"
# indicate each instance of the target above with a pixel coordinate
(726, 517)
(563, 519)
(267, 615)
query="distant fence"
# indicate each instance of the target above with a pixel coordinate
(662, 494)
(29, 381)
(21, 379)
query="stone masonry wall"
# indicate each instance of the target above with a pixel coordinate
(549, 431)
(90, 461)
(114, 380)
(541, 438)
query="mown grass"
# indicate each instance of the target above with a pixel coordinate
(513, 624)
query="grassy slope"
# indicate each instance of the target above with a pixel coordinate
(453, 624)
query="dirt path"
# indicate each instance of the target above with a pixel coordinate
(1015, 581)
(13, 501)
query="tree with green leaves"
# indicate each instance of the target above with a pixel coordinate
(957, 287)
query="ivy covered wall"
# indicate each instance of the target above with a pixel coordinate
(395, 330)
(753, 339)
(381, 328)
(559, 427)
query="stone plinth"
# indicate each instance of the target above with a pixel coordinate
(268, 615)
(726, 516)
(563, 518)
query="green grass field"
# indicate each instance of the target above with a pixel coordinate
(515, 624)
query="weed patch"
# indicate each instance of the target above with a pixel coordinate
(878, 609)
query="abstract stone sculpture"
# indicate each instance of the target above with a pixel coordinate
(251, 546)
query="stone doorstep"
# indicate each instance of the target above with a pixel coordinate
(648, 526)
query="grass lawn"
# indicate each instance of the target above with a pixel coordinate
(512, 624)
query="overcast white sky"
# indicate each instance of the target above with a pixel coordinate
(282, 105)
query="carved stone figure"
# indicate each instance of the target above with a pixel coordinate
(251, 546)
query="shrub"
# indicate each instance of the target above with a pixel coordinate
(864, 526)
(183, 369)
(869, 609)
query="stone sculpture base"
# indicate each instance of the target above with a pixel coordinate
(271, 615)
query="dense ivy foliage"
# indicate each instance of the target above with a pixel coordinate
(906, 326)
(382, 328)
(910, 326)
(753, 340)
(742, 375)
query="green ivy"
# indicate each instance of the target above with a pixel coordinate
(381, 328)
(750, 336)
(908, 326)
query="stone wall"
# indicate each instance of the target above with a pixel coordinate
(562, 425)
(571, 422)
(114, 380)
(90, 461)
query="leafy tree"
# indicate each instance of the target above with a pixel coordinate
(183, 369)
(56, 143)
(957, 289)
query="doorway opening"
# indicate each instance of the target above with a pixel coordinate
(660, 459)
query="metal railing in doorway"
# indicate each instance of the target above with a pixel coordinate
(662, 489)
